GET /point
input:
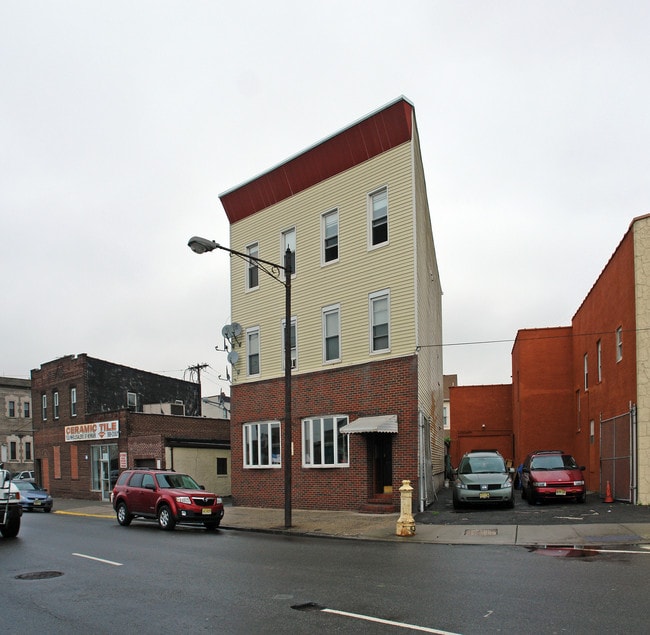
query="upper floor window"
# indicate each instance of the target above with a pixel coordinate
(253, 350)
(252, 270)
(323, 442)
(619, 344)
(12, 408)
(293, 343)
(378, 216)
(44, 407)
(73, 402)
(262, 444)
(289, 242)
(131, 400)
(330, 234)
(586, 371)
(55, 403)
(331, 334)
(28, 451)
(379, 321)
(599, 360)
(27, 410)
(13, 451)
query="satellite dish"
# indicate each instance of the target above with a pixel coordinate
(226, 331)
(233, 357)
(236, 329)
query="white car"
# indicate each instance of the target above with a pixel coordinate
(26, 475)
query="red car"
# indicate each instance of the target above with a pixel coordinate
(552, 475)
(167, 496)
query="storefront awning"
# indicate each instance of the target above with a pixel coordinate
(382, 423)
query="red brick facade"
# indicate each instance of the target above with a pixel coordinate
(383, 387)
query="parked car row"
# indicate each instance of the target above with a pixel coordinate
(483, 477)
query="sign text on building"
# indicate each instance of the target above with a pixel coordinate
(93, 431)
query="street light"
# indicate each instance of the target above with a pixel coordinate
(202, 245)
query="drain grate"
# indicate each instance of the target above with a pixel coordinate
(39, 575)
(481, 532)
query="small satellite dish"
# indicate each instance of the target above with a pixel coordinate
(236, 329)
(226, 331)
(233, 357)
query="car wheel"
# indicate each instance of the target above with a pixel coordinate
(456, 503)
(582, 499)
(511, 503)
(530, 498)
(211, 526)
(166, 519)
(11, 527)
(123, 516)
(523, 493)
(47, 510)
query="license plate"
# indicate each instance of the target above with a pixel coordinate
(37, 502)
(206, 511)
(560, 492)
(484, 495)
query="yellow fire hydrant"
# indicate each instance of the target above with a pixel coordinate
(406, 522)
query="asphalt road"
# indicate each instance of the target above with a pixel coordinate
(594, 510)
(108, 579)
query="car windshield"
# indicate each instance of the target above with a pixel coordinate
(553, 462)
(482, 465)
(25, 486)
(176, 481)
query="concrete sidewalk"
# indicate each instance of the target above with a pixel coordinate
(380, 527)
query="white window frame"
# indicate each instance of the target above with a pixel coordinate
(313, 433)
(372, 299)
(27, 410)
(284, 243)
(324, 237)
(252, 250)
(131, 400)
(73, 402)
(44, 407)
(619, 344)
(327, 311)
(55, 404)
(294, 348)
(586, 370)
(371, 213)
(251, 333)
(252, 436)
(599, 360)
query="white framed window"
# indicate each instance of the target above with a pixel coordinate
(293, 342)
(44, 407)
(330, 236)
(378, 217)
(262, 444)
(379, 309)
(289, 242)
(332, 333)
(619, 343)
(323, 443)
(599, 360)
(252, 270)
(253, 351)
(55, 403)
(73, 402)
(586, 370)
(132, 401)
(12, 408)
(26, 410)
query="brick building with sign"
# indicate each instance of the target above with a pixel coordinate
(93, 418)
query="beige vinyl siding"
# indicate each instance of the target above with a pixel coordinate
(358, 272)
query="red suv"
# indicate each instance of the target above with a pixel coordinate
(552, 474)
(168, 496)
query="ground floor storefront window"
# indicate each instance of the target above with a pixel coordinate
(104, 466)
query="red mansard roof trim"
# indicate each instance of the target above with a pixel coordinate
(378, 132)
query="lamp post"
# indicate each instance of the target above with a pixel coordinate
(202, 245)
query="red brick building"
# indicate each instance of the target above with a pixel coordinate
(90, 422)
(583, 388)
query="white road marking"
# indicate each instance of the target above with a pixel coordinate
(82, 555)
(378, 620)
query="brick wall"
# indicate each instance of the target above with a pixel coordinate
(383, 387)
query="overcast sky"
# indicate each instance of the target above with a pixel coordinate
(121, 122)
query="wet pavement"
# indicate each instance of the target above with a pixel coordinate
(594, 523)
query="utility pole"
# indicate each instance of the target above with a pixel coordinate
(197, 368)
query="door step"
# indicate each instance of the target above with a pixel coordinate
(379, 504)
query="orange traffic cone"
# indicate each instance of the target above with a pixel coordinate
(608, 494)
